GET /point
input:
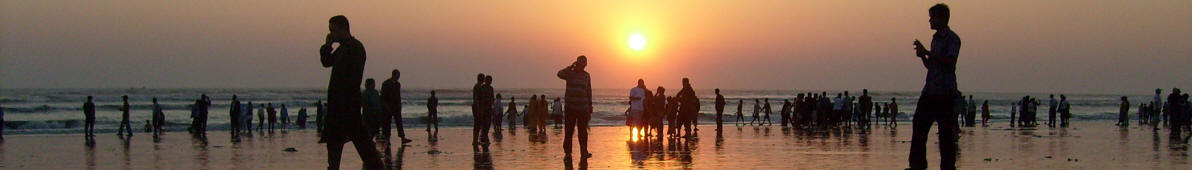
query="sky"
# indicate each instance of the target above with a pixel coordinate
(1065, 46)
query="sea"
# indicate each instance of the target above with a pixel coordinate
(57, 111)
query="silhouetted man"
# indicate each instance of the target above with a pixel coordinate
(159, 118)
(578, 98)
(320, 112)
(740, 116)
(89, 114)
(637, 108)
(719, 110)
(391, 100)
(124, 126)
(1051, 110)
(479, 119)
(866, 103)
(343, 95)
(936, 103)
(688, 109)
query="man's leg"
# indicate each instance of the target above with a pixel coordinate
(921, 124)
(583, 134)
(366, 149)
(335, 149)
(947, 138)
(385, 125)
(401, 130)
(569, 126)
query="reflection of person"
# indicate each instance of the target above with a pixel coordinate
(343, 95)
(936, 101)
(578, 108)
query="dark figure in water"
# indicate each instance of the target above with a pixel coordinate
(1124, 113)
(432, 112)
(372, 108)
(720, 110)
(89, 114)
(689, 109)
(234, 115)
(343, 96)
(320, 120)
(124, 126)
(272, 115)
(484, 104)
(248, 118)
(204, 104)
(512, 111)
(391, 101)
(658, 104)
(936, 103)
(578, 108)
(301, 120)
(757, 109)
(985, 113)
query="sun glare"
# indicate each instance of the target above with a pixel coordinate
(637, 42)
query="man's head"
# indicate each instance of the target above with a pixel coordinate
(686, 82)
(125, 97)
(1157, 91)
(641, 83)
(88, 98)
(233, 97)
(1051, 96)
(1175, 90)
(395, 74)
(939, 16)
(480, 78)
(488, 79)
(155, 100)
(864, 91)
(581, 62)
(369, 83)
(338, 25)
(717, 90)
(1123, 98)
(661, 91)
(1062, 97)
(432, 93)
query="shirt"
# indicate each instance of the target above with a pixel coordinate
(578, 96)
(637, 97)
(347, 72)
(941, 77)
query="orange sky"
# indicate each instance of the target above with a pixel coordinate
(1065, 46)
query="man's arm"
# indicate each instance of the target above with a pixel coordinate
(327, 55)
(565, 73)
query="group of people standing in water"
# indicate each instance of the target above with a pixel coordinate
(648, 110)
(1173, 113)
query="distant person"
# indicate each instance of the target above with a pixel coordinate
(557, 112)
(866, 104)
(720, 110)
(432, 112)
(248, 108)
(1053, 106)
(512, 112)
(767, 110)
(233, 115)
(1013, 111)
(478, 117)
(936, 101)
(320, 112)
(272, 115)
(985, 113)
(637, 108)
(658, 104)
(372, 108)
(893, 107)
(740, 116)
(391, 101)
(204, 108)
(1124, 113)
(159, 118)
(301, 121)
(1065, 111)
(88, 114)
(498, 113)
(784, 113)
(579, 104)
(757, 110)
(261, 117)
(971, 117)
(343, 95)
(689, 109)
(124, 124)
(284, 117)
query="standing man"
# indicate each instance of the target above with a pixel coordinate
(478, 117)
(320, 111)
(1053, 105)
(124, 126)
(391, 100)
(866, 107)
(159, 118)
(89, 114)
(1124, 113)
(343, 95)
(578, 98)
(719, 110)
(689, 108)
(637, 108)
(936, 103)
(432, 112)
(234, 114)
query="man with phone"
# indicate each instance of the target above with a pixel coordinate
(578, 108)
(344, 98)
(936, 100)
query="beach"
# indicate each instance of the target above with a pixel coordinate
(1085, 145)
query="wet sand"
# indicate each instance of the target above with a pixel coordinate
(1088, 144)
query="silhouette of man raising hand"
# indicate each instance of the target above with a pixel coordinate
(344, 97)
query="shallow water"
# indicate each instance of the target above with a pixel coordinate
(1088, 144)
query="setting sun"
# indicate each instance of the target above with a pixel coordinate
(637, 42)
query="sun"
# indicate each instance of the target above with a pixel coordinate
(637, 42)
